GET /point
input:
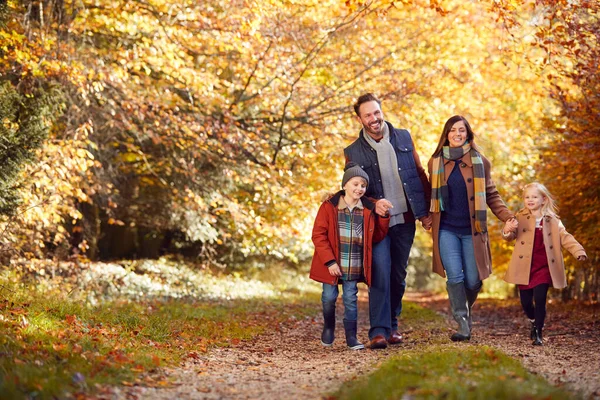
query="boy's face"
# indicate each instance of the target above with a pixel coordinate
(356, 187)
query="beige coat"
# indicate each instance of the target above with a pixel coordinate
(481, 241)
(555, 238)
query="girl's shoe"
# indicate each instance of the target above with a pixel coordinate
(532, 334)
(537, 341)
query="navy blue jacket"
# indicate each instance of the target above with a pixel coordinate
(416, 185)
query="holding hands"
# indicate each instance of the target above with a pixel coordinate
(426, 221)
(382, 207)
(510, 226)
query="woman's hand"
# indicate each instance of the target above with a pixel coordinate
(510, 226)
(582, 258)
(334, 270)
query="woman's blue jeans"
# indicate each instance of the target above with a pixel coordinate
(349, 296)
(458, 259)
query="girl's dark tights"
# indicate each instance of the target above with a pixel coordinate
(537, 312)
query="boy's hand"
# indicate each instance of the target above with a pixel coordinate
(334, 270)
(582, 258)
(382, 206)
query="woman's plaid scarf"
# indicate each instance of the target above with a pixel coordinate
(439, 187)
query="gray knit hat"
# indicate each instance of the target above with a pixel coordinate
(351, 170)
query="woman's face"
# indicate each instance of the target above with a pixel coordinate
(457, 135)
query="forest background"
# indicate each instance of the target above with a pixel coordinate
(211, 130)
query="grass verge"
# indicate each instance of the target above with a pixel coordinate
(55, 346)
(435, 369)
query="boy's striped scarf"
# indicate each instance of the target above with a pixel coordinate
(439, 187)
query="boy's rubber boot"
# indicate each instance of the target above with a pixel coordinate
(328, 324)
(460, 310)
(537, 341)
(350, 327)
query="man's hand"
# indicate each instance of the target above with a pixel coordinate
(334, 270)
(382, 207)
(426, 221)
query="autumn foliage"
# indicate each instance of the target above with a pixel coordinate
(211, 129)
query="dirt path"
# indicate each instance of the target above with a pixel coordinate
(570, 356)
(291, 363)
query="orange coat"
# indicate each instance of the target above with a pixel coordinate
(555, 238)
(325, 236)
(481, 241)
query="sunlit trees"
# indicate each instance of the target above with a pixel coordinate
(213, 129)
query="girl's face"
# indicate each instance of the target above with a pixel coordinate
(534, 200)
(355, 188)
(457, 135)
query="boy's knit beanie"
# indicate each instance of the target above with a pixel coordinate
(351, 170)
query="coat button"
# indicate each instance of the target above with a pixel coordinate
(462, 165)
(549, 233)
(469, 180)
(522, 242)
(520, 256)
(473, 216)
(524, 230)
(551, 247)
(476, 233)
(472, 198)
(528, 217)
(553, 260)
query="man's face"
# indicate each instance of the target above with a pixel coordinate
(371, 118)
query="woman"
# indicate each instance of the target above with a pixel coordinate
(462, 189)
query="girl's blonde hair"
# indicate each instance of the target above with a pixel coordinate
(549, 207)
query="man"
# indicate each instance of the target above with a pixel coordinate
(400, 186)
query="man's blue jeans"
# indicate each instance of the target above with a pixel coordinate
(458, 259)
(349, 296)
(388, 279)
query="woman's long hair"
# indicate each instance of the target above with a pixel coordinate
(447, 127)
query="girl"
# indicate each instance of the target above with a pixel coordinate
(537, 260)
(343, 234)
(462, 190)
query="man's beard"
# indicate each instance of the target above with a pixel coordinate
(373, 131)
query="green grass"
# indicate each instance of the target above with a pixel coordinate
(437, 369)
(54, 346)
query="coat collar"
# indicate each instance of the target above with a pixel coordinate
(342, 203)
(366, 203)
(527, 212)
(466, 159)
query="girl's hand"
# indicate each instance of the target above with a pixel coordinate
(334, 270)
(582, 258)
(510, 226)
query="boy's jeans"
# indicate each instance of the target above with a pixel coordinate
(349, 296)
